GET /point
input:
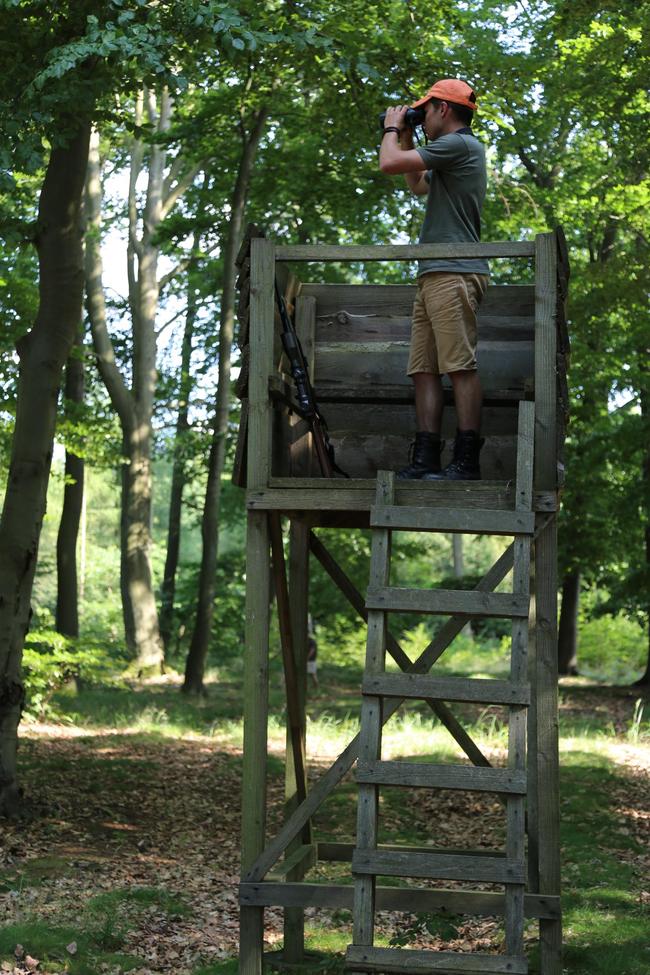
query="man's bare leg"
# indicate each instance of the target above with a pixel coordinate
(468, 397)
(429, 402)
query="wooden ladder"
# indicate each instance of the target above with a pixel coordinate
(370, 860)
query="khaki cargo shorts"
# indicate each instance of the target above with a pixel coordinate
(443, 333)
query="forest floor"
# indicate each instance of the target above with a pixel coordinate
(129, 859)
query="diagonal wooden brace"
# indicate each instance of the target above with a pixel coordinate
(331, 778)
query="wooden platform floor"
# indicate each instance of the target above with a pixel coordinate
(346, 502)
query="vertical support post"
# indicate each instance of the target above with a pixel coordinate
(294, 917)
(545, 366)
(256, 654)
(550, 932)
(372, 719)
(516, 831)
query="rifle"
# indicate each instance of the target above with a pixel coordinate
(307, 405)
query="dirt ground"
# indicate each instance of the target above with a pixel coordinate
(119, 811)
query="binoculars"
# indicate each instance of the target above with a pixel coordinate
(413, 118)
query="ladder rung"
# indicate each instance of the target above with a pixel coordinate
(472, 520)
(419, 775)
(438, 866)
(367, 959)
(452, 602)
(465, 689)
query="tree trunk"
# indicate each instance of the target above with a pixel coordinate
(195, 664)
(168, 588)
(67, 606)
(135, 406)
(644, 680)
(567, 648)
(43, 353)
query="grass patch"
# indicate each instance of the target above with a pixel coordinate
(139, 899)
(33, 873)
(53, 946)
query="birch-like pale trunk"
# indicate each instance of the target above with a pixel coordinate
(135, 405)
(196, 658)
(43, 353)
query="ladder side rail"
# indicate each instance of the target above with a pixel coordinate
(516, 804)
(371, 722)
(256, 701)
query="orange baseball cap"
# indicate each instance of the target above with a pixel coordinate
(450, 90)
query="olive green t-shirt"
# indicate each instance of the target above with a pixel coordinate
(456, 173)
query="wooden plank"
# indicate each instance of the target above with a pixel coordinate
(303, 858)
(371, 719)
(343, 852)
(545, 350)
(294, 918)
(398, 419)
(350, 498)
(516, 811)
(302, 459)
(241, 448)
(463, 494)
(413, 899)
(357, 601)
(252, 230)
(333, 775)
(441, 710)
(362, 456)
(468, 521)
(261, 352)
(419, 960)
(465, 689)
(404, 252)
(446, 601)
(427, 776)
(255, 703)
(380, 326)
(502, 301)
(438, 866)
(547, 740)
(365, 365)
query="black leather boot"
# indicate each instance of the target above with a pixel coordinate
(424, 457)
(465, 463)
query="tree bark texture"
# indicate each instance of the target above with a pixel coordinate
(43, 353)
(135, 405)
(644, 680)
(196, 658)
(568, 628)
(67, 604)
(179, 476)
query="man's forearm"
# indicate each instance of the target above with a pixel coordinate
(405, 143)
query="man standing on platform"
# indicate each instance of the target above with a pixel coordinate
(450, 171)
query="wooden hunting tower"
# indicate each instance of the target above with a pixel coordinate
(355, 339)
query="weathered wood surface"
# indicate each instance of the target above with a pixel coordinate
(409, 960)
(467, 521)
(313, 494)
(343, 852)
(355, 598)
(413, 899)
(466, 689)
(383, 312)
(363, 365)
(545, 351)
(547, 740)
(438, 866)
(404, 252)
(398, 419)
(372, 720)
(446, 601)
(428, 776)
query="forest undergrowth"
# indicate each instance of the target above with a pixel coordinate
(128, 861)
